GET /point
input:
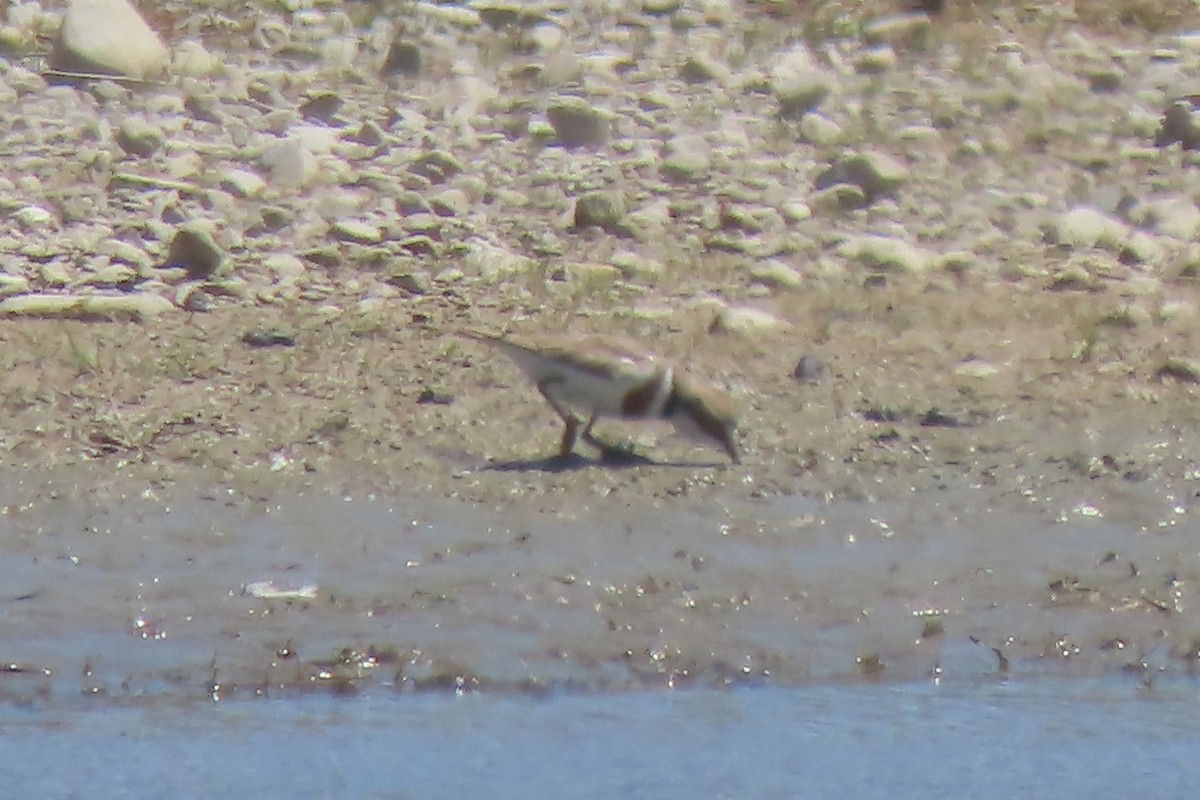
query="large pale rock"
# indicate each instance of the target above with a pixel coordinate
(109, 37)
(1085, 226)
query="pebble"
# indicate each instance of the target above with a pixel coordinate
(776, 274)
(194, 249)
(875, 61)
(140, 138)
(243, 183)
(877, 174)
(912, 29)
(885, 253)
(600, 210)
(108, 37)
(1086, 227)
(799, 83)
(818, 129)
(687, 158)
(123, 306)
(577, 123)
(33, 217)
(356, 230)
(13, 284)
(748, 320)
(638, 267)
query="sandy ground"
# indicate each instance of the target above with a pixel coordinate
(1047, 528)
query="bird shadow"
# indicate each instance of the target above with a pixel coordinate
(615, 458)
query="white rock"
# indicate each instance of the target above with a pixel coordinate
(191, 58)
(745, 320)
(884, 252)
(687, 157)
(776, 273)
(356, 230)
(108, 36)
(1170, 216)
(494, 263)
(286, 267)
(820, 130)
(33, 217)
(243, 183)
(13, 284)
(633, 265)
(1085, 226)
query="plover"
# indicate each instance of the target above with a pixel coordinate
(601, 376)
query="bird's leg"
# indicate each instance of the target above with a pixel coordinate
(622, 449)
(570, 421)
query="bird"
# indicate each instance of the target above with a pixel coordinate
(604, 376)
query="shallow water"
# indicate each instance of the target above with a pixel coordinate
(1041, 738)
(144, 593)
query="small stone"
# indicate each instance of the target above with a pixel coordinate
(111, 275)
(1177, 368)
(33, 217)
(410, 283)
(875, 61)
(268, 337)
(636, 266)
(191, 58)
(911, 29)
(322, 107)
(107, 37)
(877, 174)
(976, 369)
(435, 395)
(356, 230)
(1085, 226)
(450, 203)
(1179, 124)
(697, 69)
(776, 274)
(497, 14)
(54, 274)
(660, 7)
(492, 262)
(1141, 248)
(809, 369)
(599, 210)
(795, 211)
(577, 124)
(140, 138)
(13, 284)
(1176, 217)
(243, 183)
(436, 165)
(1104, 81)
(885, 253)
(748, 320)
(194, 249)
(838, 197)
(403, 58)
(820, 130)
(1073, 278)
(687, 158)
(369, 134)
(134, 306)
(290, 164)
(591, 275)
(286, 267)
(798, 83)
